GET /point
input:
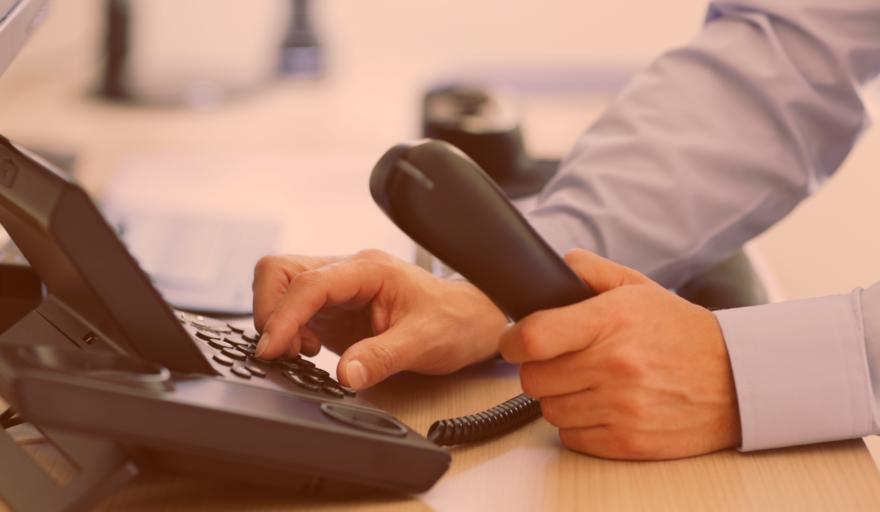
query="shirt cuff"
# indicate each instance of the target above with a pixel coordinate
(800, 370)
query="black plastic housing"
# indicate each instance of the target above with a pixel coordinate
(448, 205)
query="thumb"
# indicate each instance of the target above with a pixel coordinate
(374, 359)
(600, 273)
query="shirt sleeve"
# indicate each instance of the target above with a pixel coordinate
(707, 147)
(716, 141)
(802, 369)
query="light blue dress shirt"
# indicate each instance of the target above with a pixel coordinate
(709, 146)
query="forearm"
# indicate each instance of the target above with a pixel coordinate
(716, 141)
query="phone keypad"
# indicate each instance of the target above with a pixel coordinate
(235, 348)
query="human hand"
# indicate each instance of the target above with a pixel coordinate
(382, 314)
(635, 372)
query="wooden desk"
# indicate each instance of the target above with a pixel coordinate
(529, 469)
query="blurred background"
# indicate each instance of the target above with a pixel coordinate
(203, 92)
(377, 59)
(266, 117)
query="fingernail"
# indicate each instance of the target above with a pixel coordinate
(262, 345)
(356, 374)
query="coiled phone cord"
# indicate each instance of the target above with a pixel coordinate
(500, 419)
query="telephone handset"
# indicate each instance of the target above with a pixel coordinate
(450, 206)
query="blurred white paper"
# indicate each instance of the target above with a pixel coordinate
(197, 224)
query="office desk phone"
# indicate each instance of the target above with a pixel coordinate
(121, 383)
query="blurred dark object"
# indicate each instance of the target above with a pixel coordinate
(20, 292)
(20, 288)
(187, 54)
(301, 49)
(484, 125)
(116, 43)
(733, 283)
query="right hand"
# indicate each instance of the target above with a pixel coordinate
(382, 314)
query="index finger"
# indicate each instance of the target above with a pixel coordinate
(352, 281)
(551, 333)
(272, 277)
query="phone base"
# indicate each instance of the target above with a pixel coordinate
(101, 468)
(132, 416)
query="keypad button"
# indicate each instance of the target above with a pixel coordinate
(317, 379)
(234, 329)
(299, 381)
(225, 361)
(256, 372)
(306, 363)
(318, 372)
(292, 364)
(348, 391)
(241, 371)
(219, 344)
(234, 354)
(206, 335)
(249, 350)
(236, 340)
(205, 326)
(251, 336)
(333, 390)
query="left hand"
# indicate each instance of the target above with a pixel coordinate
(633, 373)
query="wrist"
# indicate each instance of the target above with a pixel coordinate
(729, 427)
(486, 319)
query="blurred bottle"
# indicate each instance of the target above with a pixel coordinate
(192, 52)
(301, 54)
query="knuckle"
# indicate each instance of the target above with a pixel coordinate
(551, 411)
(620, 365)
(639, 276)
(531, 335)
(373, 255)
(372, 261)
(306, 278)
(634, 408)
(628, 365)
(623, 318)
(632, 445)
(529, 379)
(266, 264)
